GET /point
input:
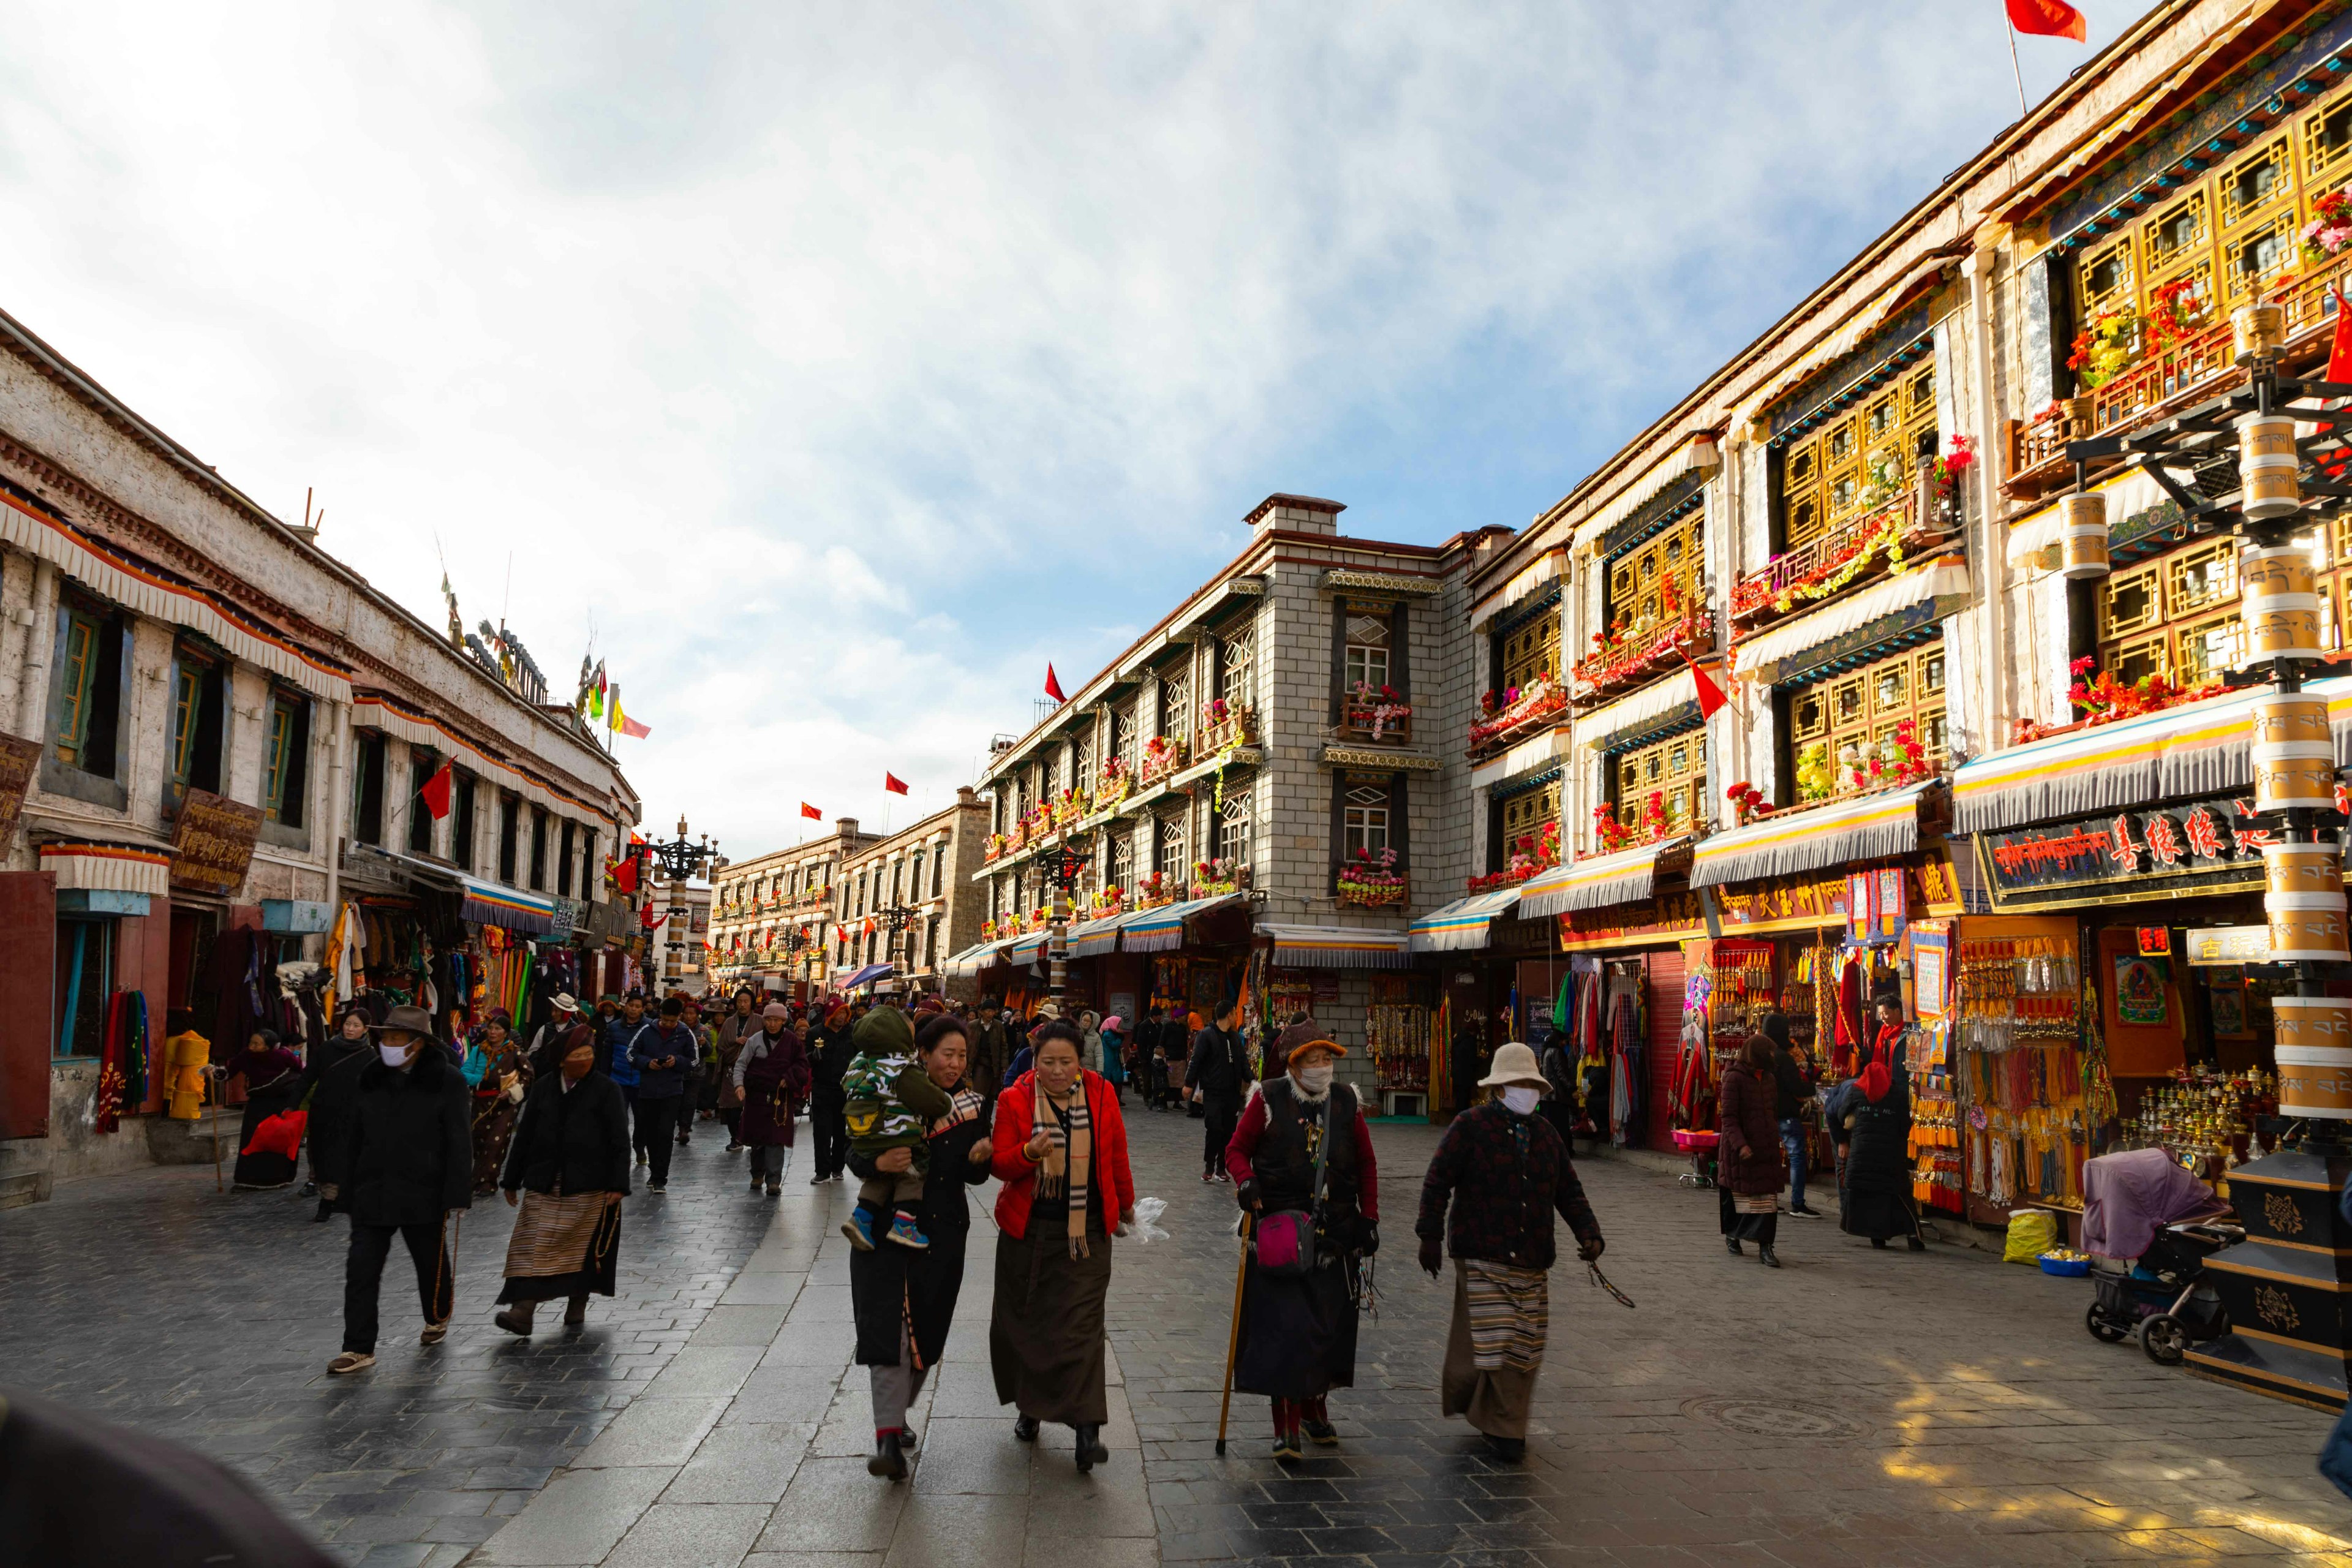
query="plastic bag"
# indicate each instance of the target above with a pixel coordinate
(1146, 1228)
(2032, 1233)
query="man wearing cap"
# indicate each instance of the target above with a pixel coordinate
(1303, 1147)
(662, 1053)
(1219, 1074)
(560, 1023)
(1504, 1173)
(405, 1163)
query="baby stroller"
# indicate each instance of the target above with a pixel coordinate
(2149, 1227)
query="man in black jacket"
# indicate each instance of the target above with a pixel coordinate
(830, 1052)
(405, 1164)
(1218, 1075)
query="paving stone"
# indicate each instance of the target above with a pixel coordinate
(668, 1535)
(579, 1518)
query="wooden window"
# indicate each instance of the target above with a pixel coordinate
(1366, 651)
(367, 789)
(1531, 652)
(2177, 615)
(2326, 140)
(2255, 184)
(1236, 665)
(563, 859)
(88, 690)
(1524, 818)
(1836, 725)
(1169, 859)
(285, 766)
(462, 795)
(1364, 820)
(537, 848)
(1122, 859)
(1122, 735)
(1639, 597)
(1233, 822)
(509, 836)
(1859, 461)
(196, 717)
(1674, 769)
(1176, 705)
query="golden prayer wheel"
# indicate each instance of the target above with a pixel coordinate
(2294, 774)
(2290, 717)
(2312, 1081)
(2256, 332)
(2083, 524)
(2267, 464)
(2306, 934)
(2077, 413)
(2282, 633)
(2273, 572)
(2313, 868)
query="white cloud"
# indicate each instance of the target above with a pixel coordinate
(845, 365)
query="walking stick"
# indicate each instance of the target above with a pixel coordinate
(1234, 1336)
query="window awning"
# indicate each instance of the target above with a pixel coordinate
(1338, 947)
(973, 959)
(496, 904)
(1096, 938)
(1026, 948)
(1939, 579)
(1463, 924)
(1872, 828)
(1596, 881)
(95, 866)
(2199, 748)
(869, 975)
(1161, 929)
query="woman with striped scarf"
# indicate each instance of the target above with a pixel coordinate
(1060, 1149)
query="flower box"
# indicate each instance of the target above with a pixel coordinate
(1513, 713)
(1634, 655)
(1161, 757)
(1114, 783)
(1376, 715)
(1534, 853)
(1224, 725)
(1370, 881)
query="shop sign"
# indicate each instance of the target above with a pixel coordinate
(18, 758)
(2216, 946)
(567, 916)
(212, 845)
(2203, 846)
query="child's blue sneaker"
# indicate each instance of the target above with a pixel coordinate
(905, 1232)
(859, 1228)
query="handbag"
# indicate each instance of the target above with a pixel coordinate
(1285, 1240)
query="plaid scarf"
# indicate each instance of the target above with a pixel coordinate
(1068, 1159)
(964, 1104)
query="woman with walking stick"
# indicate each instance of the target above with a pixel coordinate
(1302, 1161)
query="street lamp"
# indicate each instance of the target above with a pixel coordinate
(682, 857)
(1060, 865)
(895, 919)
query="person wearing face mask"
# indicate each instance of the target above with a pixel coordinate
(407, 1163)
(569, 1168)
(1503, 1172)
(329, 1082)
(1302, 1144)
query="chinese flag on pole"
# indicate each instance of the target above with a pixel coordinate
(812, 813)
(1710, 696)
(625, 874)
(435, 793)
(894, 784)
(1052, 686)
(2048, 18)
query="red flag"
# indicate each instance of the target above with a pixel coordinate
(812, 813)
(2339, 349)
(435, 793)
(1710, 695)
(625, 874)
(894, 784)
(645, 918)
(2048, 18)
(1053, 687)
(637, 729)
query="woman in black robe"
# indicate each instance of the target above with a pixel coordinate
(1874, 1125)
(273, 1082)
(904, 1299)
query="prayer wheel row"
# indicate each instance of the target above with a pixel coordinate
(2315, 1055)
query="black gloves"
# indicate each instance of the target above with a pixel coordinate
(1370, 1241)
(1433, 1255)
(1246, 1195)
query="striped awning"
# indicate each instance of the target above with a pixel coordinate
(96, 867)
(2200, 748)
(973, 959)
(1870, 827)
(1463, 924)
(1596, 881)
(1162, 929)
(869, 975)
(496, 904)
(1338, 947)
(1096, 938)
(1024, 948)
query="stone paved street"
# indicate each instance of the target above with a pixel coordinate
(1855, 1407)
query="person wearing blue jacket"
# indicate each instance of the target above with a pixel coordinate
(662, 1054)
(620, 1033)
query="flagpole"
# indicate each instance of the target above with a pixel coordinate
(2018, 75)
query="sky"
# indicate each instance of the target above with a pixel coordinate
(827, 370)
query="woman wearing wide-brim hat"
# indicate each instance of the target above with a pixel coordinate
(1302, 1146)
(1503, 1172)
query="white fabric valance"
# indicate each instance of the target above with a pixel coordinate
(1696, 452)
(1531, 580)
(1933, 580)
(1659, 697)
(371, 711)
(110, 867)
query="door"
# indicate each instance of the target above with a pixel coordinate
(29, 956)
(1666, 1045)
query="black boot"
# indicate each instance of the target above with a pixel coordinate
(888, 1460)
(1732, 1244)
(1915, 1244)
(1091, 1451)
(1879, 1242)
(1025, 1427)
(1507, 1447)
(1764, 1255)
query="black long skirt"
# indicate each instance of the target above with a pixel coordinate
(1298, 1332)
(598, 1274)
(262, 1172)
(1045, 1327)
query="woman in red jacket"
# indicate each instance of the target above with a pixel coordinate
(1060, 1149)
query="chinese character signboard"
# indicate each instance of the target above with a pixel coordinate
(2201, 847)
(212, 846)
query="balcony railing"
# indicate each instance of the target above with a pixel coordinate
(1637, 657)
(2170, 376)
(1363, 726)
(1236, 726)
(1804, 576)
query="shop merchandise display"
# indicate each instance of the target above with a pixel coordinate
(2205, 1119)
(1396, 1026)
(2019, 1015)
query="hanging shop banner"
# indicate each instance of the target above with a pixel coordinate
(2208, 846)
(18, 758)
(1762, 908)
(2221, 947)
(212, 845)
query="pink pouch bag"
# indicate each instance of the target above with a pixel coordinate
(1286, 1242)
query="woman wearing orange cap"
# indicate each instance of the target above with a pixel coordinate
(1302, 1147)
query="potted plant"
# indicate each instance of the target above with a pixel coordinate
(1371, 881)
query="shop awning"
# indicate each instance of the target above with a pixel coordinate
(1338, 947)
(1596, 881)
(1026, 948)
(1161, 929)
(868, 975)
(1944, 578)
(2200, 748)
(1870, 827)
(973, 959)
(95, 866)
(1096, 938)
(496, 904)
(1463, 924)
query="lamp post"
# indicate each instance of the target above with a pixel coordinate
(1060, 865)
(682, 857)
(2234, 463)
(895, 919)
